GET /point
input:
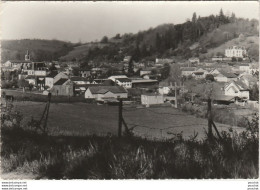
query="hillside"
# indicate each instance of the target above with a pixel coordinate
(40, 50)
(251, 43)
(192, 38)
(199, 37)
(79, 52)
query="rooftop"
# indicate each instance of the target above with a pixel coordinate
(60, 82)
(123, 79)
(105, 89)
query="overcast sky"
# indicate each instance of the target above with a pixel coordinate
(88, 21)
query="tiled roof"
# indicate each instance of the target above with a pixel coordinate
(123, 79)
(104, 89)
(75, 78)
(20, 61)
(228, 75)
(60, 82)
(52, 74)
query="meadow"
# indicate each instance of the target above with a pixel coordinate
(70, 151)
(79, 119)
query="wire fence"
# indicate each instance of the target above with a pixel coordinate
(86, 119)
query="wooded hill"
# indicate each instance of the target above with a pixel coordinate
(195, 37)
(40, 50)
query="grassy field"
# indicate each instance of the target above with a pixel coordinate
(73, 149)
(87, 119)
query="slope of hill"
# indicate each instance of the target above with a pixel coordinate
(79, 52)
(251, 43)
(40, 50)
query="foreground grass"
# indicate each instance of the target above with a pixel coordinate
(93, 157)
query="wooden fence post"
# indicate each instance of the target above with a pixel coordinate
(47, 109)
(120, 118)
(210, 134)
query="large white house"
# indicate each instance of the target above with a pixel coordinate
(237, 89)
(236, 51)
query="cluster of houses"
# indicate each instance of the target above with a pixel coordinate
(236, 79)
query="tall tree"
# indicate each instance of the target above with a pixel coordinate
(194, 18)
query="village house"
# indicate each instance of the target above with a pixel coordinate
(146, 71)
(14, 65)
(164, 90)
(79, 80)
(236, 51)
(198, 75)
(114, 77)
(186, 71)
(124, 82)
(53, 77)
(194, 60)
(84, 73)
(144, 83)
(35, 69)
(63, 87)
(217, 58)
(161, 61)
(104, 82)
(151, 99)
(103, 92)
(244, 67)
(225, 77)
(236, 89)
(31, 80)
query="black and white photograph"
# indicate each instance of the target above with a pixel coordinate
(129, 90)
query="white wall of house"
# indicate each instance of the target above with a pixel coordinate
(124, 84)
(31, 81)
(164, 90)
(221, 78)
(49, 81)
(186, 73)
(150, 100)
(144, 72)
(89, 95)
(232, 90)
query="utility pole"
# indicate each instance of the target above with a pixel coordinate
(210, 134)
(120, 118)
(175, 90)
(48, 107)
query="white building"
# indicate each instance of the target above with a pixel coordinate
(53, 77)
(103, 92)
(186, 71)
(237, 89)
(236, 51)
(150, 99)
(124, 82)
(114, 77)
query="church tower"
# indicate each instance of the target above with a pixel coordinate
(27, 56)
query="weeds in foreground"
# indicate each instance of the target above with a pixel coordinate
(93, 157)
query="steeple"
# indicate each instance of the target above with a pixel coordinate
(27, 56)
